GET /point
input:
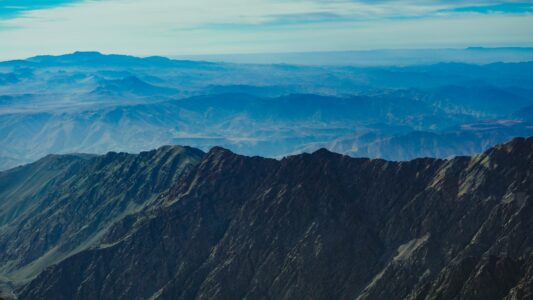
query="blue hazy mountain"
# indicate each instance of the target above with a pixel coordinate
(385, 57)
(130, 85)
(525, 113)
(97, 59)
(94, 103)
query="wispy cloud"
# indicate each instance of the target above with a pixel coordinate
(502, 8)
(13, 8)
(169, 27)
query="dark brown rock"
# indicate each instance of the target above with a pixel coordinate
(319, 226)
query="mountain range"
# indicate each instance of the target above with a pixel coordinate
(178, 223)
(384, 57)
(94, 103)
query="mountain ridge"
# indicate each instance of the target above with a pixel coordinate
(318, 225)
(61, 204)
(94, 58)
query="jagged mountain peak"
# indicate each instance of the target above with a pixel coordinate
(323, 152)
(521, 144)
(217, 151)
(519, 148)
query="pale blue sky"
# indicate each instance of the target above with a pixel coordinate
(177, 27)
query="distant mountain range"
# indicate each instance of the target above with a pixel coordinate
(385, 57)
(461, 140)
(94, 103)
(178, 223)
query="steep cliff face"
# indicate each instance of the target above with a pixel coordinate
(319, 226)
(63, 204)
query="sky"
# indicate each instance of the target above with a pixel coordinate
(179, 27)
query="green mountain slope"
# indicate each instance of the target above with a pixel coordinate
(62, 204)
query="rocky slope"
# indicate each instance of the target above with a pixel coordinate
(62, 204)
(319, 226)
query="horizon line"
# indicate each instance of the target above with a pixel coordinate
(175, 56)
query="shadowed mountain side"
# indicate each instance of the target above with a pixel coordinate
(319, 226)
(62, 204)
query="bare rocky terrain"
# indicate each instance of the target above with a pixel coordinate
(318, 226)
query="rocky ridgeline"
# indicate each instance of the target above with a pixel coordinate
(310, 226)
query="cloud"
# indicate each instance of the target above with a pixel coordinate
(170, 27)
(12, 8)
